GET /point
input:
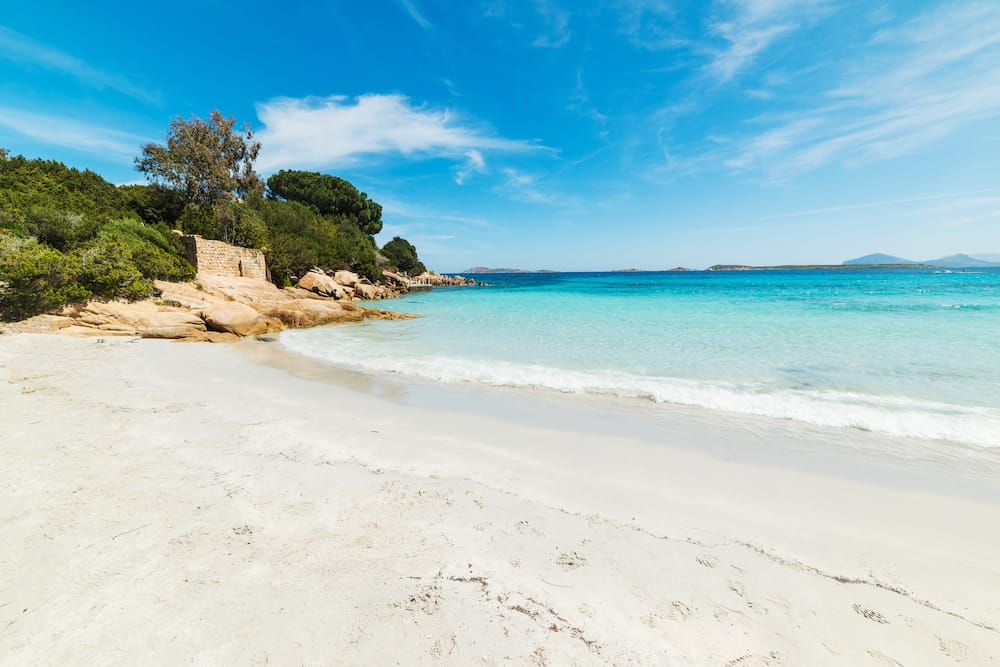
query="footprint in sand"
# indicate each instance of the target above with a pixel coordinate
(955, 649)
(882, 659)
(571, 561)
(708, 560)
(679, 610)
(870, 614)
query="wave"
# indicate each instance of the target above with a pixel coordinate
(890, 415)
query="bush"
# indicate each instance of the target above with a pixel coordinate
(105, 269)
(35, 278)
(155, 251)
(238, 224)
(403, 255)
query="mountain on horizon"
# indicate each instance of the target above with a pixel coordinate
(878, 258)
(959, 261)
(987, 256)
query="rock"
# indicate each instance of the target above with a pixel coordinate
(347, 278)
(234, 318)
(396, 281)
(365, 290)
(218, 337)
(304, 313)
(322, 284)
(174, 333)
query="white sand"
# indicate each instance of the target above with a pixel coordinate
(170, 504)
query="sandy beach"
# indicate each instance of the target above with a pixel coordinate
(165, 503)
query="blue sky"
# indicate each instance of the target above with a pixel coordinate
(557, 134)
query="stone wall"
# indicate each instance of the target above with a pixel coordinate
(216, 258)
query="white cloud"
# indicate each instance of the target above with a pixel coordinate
(751, 27)
(523, 187)
(557, 22)
(474, 164)
(415, 14)
(336, 131)
(913, 85)
(69, 133)
(15, 46)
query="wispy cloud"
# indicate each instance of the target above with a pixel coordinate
(527, 188)
(411, 8)
(652, 24)
(338, 131)
(19, 48)
(963, 198)
(404, 209)
(912, 85)
(474, 164)
(579, 102)
(105, 142)
(751, 27)
(557, 23)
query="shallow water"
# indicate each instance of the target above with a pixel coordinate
(902, 352)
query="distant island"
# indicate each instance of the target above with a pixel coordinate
(959, 261)
(877, 261)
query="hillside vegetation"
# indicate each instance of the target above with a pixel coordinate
(67, 236)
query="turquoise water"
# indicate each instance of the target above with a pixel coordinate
(903, 352)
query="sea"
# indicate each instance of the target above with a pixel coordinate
(913, 353)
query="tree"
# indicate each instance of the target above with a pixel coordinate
(206, 161)
(329, 196)
(403, 255)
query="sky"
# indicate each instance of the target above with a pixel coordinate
(550, 134)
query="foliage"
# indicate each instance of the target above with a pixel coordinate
(156, 252)
(403, 255)
(300, 238)
(105, 269)
(329, 196)
(34, 278)
(205, 161)
(67, 236)
(236, 223)
(154, 204)
(40, 185)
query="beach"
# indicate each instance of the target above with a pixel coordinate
(168, 503)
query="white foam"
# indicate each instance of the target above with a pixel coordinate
(891, 415)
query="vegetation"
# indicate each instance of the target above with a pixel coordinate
(403, 256)
(319, 220)
(206, 162)
(329, 196)
(68, 235)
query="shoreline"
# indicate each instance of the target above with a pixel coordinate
(197, 503)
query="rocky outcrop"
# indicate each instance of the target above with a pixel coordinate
(235, 318)
(318, 282)
(213, 309)
(443, 281)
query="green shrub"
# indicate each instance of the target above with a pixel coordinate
(105, 268)
(35, 278)
(155, 251)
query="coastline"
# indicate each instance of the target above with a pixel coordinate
(208, 503)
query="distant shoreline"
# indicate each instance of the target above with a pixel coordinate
(739, 267)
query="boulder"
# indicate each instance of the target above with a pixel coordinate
(347, 278)
(304, 313)
(234, 318)
(365, 290)
(174, 333)
(322, 284)
(394, 280)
